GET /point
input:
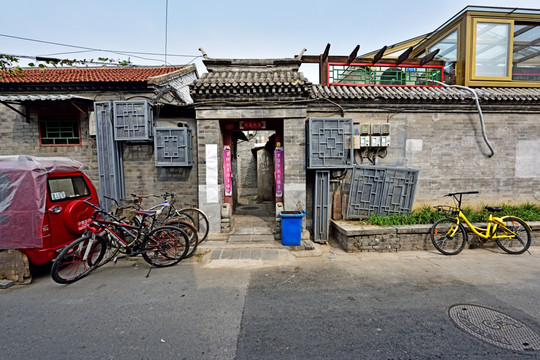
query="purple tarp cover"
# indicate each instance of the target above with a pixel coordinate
(23, 194)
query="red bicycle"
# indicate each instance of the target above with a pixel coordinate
(106, 233)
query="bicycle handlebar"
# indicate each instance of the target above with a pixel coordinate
(113, 199)
(167, 195)
(87, 202)
(100, 209)
(143, 196)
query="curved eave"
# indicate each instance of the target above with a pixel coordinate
(529, 96)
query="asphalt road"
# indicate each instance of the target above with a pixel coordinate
(335, 306)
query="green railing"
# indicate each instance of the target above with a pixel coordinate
(384, 75)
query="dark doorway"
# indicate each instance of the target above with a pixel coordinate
(251, 187)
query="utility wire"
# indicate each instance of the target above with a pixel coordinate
(130, 52)
(119, 52)
(67, 53)
(39, 58)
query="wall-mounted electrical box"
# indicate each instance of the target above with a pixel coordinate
(375, 141)
(356, 136)
(375, 129)
(364, 141)
(356, 142)
(385, 135)
(365, 130)
(374, 135)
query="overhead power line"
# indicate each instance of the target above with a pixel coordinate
(119, 52)
(41, 58)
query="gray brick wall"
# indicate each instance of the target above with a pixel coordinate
(449, 151)
(445, 145)
(141, 175)
(21, 136)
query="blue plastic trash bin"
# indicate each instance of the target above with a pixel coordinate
(291, 227)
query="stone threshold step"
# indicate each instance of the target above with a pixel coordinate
(250, 254)
(251, 238)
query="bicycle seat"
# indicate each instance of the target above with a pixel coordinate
(493, 208)
(146, 212)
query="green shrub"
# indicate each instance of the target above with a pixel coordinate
(428, 215)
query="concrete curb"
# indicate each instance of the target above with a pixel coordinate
(355, 237)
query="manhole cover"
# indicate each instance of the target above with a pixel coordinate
(495, 328)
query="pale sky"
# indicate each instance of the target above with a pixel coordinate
(224, 29)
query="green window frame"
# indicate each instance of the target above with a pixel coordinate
(59, 130)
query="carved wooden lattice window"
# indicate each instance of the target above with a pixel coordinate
(132, 120)
(173, 146)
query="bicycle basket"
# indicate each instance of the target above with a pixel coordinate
(447, 210)
(127, 214)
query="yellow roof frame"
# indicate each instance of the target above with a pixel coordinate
(465, 22)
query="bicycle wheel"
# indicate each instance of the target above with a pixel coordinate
(515, 238)
(113, 248)
(78, 258)
(198, 219)
(190, 230)
(165, 246)
(448, 236)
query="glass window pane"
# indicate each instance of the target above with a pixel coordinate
(491, 52)
(67, 188)
(81, 188)
(447, 52)
(447, 47)
(526, 57)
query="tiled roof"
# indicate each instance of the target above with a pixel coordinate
(356, 93)
(251, 84)
(85, 75)
(41, 97)
(251, 80)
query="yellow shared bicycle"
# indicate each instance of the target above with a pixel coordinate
(448, 235)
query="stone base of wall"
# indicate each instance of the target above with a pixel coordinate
(14, 266)
(358, 238)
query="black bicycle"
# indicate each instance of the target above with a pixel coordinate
(165, 214)
(160, 247)
(167, 210)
